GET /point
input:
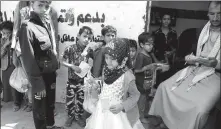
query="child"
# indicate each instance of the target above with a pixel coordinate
(108, 34)
(7, 66)
(75, 95)
(117, 104)
(144, 67)
(133, 51)
(40, 63)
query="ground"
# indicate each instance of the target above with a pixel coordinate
(24, 120)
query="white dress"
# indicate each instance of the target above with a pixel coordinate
(102, 118)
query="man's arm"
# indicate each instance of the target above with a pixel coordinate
(30, 64)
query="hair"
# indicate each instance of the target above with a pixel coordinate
(132, 43)
(46, 1)
(86, 29)
(165, 13)
(7, 25)
(108, 29)
(143, 37)
(215, 2)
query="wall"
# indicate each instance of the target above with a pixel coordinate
(181, 23)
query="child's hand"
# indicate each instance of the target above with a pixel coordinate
(164, 67)
(76, 69)
(115, 109)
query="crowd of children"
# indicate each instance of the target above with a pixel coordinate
(124, 67)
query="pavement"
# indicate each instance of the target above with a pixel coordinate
(24, 120)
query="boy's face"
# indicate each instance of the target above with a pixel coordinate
(166, 20)
(148, 46)
(108, 37)
(133, 52)
(84, 38)
(6, 33)
(40, 7)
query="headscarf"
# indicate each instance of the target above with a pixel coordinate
(119, 50)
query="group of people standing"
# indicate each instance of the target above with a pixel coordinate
(125, 70)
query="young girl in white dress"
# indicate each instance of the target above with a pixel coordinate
(117, 104)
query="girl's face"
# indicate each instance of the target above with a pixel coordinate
(166, 20)
(133, 52)
(84, 38)
(111, 62)
(40, 7)
(148, 46)
(6, 33)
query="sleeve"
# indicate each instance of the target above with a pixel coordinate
(54, 17)
(30, 64)
(65, 54)
(17, 23)
(139, 62)
(98, 63)
(133, 94)
(175, 41)
(218, 59)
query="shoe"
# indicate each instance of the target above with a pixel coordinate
(144, 121)
(16, 108)
(69, 121)
(29, 108)
(81, 123)
(55, 127)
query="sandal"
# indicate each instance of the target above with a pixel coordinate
(29, 108)
(16, 108)
(69, 121)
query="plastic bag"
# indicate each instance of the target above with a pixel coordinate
(18, 80)
(90, 95)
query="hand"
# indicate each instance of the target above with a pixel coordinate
(115, 109)
(191, 59)
(147, 85)
(164, 68)
(76, 69)
(169, 53)
(42, 94)
(210, 62)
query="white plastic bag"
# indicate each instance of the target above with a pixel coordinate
(90, 95)
(18, 80)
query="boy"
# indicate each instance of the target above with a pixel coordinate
(133, 51)
(143, 69)
(7, 66)
(71, 58)
(108, 34)
(37, 47)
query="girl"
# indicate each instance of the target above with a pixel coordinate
(75, 95)
(117, 104)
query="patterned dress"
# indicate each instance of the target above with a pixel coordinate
(74, 91)
(102, 118)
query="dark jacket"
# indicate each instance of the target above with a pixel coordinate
(35, 41)
(163, 44)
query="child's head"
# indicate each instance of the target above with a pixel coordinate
(146, 41)
(133, 48)
(84, 35)
(108, 33)
(117, 54)
(165, 19)
(6, 29)
(41, 7)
